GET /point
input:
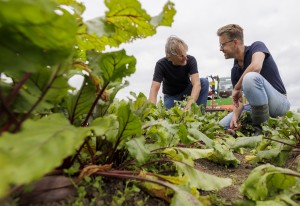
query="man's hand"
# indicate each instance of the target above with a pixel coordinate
(233, 123)
(237, 97)
(189, 103)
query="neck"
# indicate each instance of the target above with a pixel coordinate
(240, 55)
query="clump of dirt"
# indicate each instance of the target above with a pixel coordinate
(238, 175)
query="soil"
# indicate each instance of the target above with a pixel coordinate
(238, 175)
(113, 192)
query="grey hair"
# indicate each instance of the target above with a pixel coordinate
(172, 45)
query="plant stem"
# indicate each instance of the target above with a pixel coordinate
(44, 92)
(18, 87)
(94, 104)
(281, 142)
(6, 103)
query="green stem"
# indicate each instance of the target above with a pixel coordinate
(94, 105)
(44, 92)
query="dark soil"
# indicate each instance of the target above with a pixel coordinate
(116, 192)
(238, 175)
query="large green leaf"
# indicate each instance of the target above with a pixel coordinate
(165, 18)
(183, 195)
(266, 180)
(39, 33)
(113, 66)
(202, 180)
(124, 21)
(129, 124)
(46, 88)
(187, 155)
(129, 19)
(48, 82)
(80, 103)
(163, 134)
(247, 142)
(106, 126)
(196, 135)
(137, 149)
(223, 154)
(37, 149)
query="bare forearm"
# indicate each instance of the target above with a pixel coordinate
(153, 96)
(153, 92)
(237, 111)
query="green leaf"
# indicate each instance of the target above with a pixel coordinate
(223, 155)
(182, 195)
(247, 142)
(80, 103)
(77, 7)
(266, 180)
(129, 124)
(202, 180)
(29, 38)
(45, 89)
(183, 134)
(142, 106)
(129, 19)
(196, 135)
(137, 149)
(187, 155)
(37, 149)
(124, 21)
(106, 126)
(270, 203)
(165, 18)
(113, 66)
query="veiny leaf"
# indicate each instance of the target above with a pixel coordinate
(182, 196)
(202, 180)
(113, 66)
(29, 37)
(37, 149)
(187, 155)
(124, 21)
(137, 149)
(80, 103)
(106, 126)
(223, 155)
(196, 135)
(265, 181)
(129, 19)
(247, 142)
(165, 18)
(129, 124)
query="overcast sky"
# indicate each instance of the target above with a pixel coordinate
(276, 23)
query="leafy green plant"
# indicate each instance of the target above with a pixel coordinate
(269, 184)
(47, 125)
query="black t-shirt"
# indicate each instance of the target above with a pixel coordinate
(269, 68)
(175, 78)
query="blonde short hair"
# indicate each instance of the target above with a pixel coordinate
(232, 31)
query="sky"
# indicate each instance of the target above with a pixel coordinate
(276, 23)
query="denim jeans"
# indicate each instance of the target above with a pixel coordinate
(258, 91)
(169, 99)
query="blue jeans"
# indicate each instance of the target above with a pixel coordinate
(258, 91)
(169, 99)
